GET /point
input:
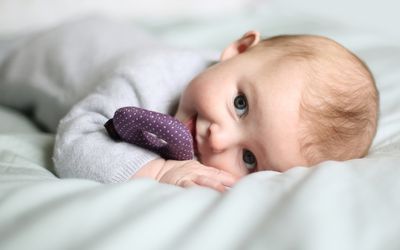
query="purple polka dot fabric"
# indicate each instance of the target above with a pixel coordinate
(160, 133)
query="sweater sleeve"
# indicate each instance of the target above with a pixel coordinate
(82, 147)
(151, 80)
(84, 71)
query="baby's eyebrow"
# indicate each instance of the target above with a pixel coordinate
(263, 161)
(230, 108)
(251, 94)
(260, 149)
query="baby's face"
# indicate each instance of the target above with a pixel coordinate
(244, 113)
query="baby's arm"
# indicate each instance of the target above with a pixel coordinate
(186, 174)
(82, 147)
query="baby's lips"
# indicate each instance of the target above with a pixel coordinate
(191, 126)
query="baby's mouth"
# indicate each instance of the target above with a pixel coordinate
(191, 125)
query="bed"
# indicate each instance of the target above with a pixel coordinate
(333, 205)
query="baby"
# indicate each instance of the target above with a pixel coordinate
(271, 105)
(265, 105)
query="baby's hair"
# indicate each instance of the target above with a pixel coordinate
(340, 101)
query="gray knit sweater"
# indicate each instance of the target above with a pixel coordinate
(84, 71)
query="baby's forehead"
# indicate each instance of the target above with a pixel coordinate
(302, 47)
(322, 58)
(321, 61)
(274, 66)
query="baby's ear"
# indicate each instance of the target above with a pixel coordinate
(248, 40)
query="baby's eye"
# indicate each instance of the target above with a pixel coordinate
(249, 160)
(240, 104)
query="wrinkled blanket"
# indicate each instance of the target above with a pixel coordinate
(334, 205)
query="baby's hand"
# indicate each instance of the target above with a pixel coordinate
(193, 173)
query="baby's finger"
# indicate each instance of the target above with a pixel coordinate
(227, 179)
(209, 182)
(187, 184)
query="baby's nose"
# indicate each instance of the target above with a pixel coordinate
(220, 139)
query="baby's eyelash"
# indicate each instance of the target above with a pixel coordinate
(241, 105)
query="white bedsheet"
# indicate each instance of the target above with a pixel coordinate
(335, 205)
